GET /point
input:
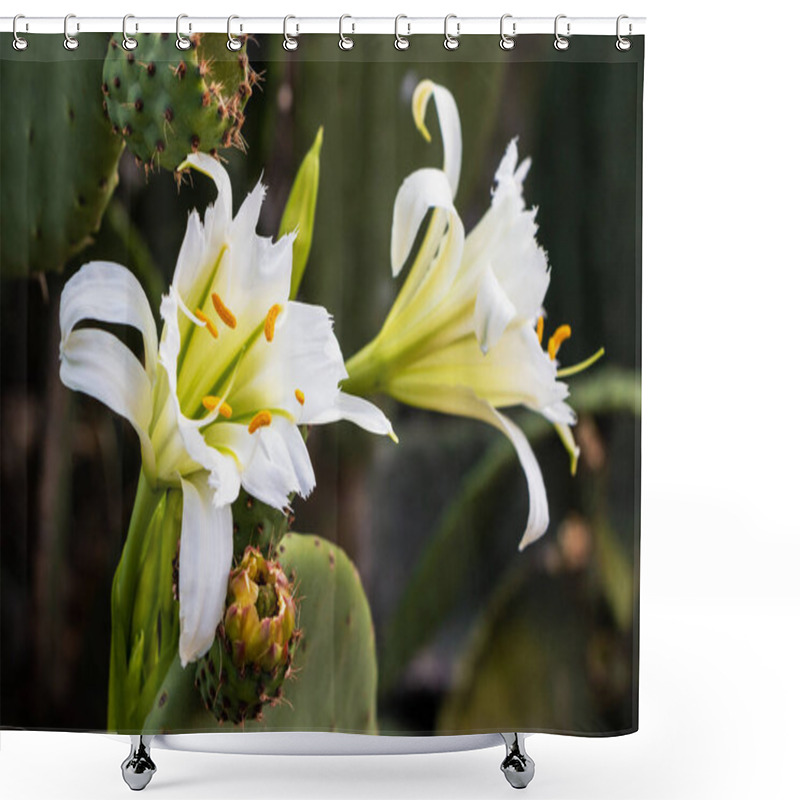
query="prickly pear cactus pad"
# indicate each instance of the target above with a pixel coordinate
(166, 102)
(58, 156)
(333, 679)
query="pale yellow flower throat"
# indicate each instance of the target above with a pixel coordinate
(212, 402)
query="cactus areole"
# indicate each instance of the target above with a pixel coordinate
(251, 657)
(167, 102)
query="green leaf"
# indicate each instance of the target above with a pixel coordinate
(300, 210)
(456, 548)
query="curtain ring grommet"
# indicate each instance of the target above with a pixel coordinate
(234, 42)
(561, 42)
(345, 42)
(623, 44)
(181, 42)
(128, 42)
(19, 43)
(401, 42)
(451, 42)
(507, 42)
(70, 42)
(289, 42)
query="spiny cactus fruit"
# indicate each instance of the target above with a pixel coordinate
(167, 102)
(58, 159)
(252, 654)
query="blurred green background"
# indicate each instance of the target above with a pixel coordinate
(472, 635)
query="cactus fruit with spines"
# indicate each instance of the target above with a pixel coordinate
(251, 656)
(166, 103)
(59, 158)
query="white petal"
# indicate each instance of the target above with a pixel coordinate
(97, 363)
(266, 481)
(286, 449)
(210, 166)
(538, 512)
(493, 311)
(206, 551)
(107, 292)
(357, 410)
(191, 258)
(420, 191)
(449, 124)
(463, 401)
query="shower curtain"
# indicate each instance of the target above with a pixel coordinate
(320, 385)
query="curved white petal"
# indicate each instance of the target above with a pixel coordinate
(493, 311)
(107, 292)
(449, 124)
(96, 363)
(463, 401)
(419, 192)
(356, 410)
(209, 166)
(286, 449)
(206, 551)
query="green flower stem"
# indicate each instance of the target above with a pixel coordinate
(144, 626)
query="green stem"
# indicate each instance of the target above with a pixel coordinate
(123, 592)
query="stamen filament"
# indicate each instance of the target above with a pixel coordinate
(260, 420)
(225, 314)
(300, 395)
(576, 368)
(540, 328)
(562, 333)
(269, 322)
(212, 402)
(210, 326)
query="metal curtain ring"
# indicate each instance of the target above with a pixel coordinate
(507, 42)
(345, 42)
(451, 42)
(560, 42)
(70, 42)
(181, 42)
(127, 42)
(19, 43)
(401, 42)
(234, 42)
(623, 44)
(289, 42)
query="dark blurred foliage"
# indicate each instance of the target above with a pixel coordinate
(544, 639)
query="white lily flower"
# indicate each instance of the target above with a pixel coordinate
(465, 334)
(239, 368)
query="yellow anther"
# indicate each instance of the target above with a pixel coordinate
(259, 421)
(562, 333)
(301, 398)
(212, 402)
(269, 322)
(212, 328)
(225, 314)
(540, 328)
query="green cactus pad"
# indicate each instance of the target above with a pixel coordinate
(58, 157)
(167, 103)
(256, 524)
(333, 683)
